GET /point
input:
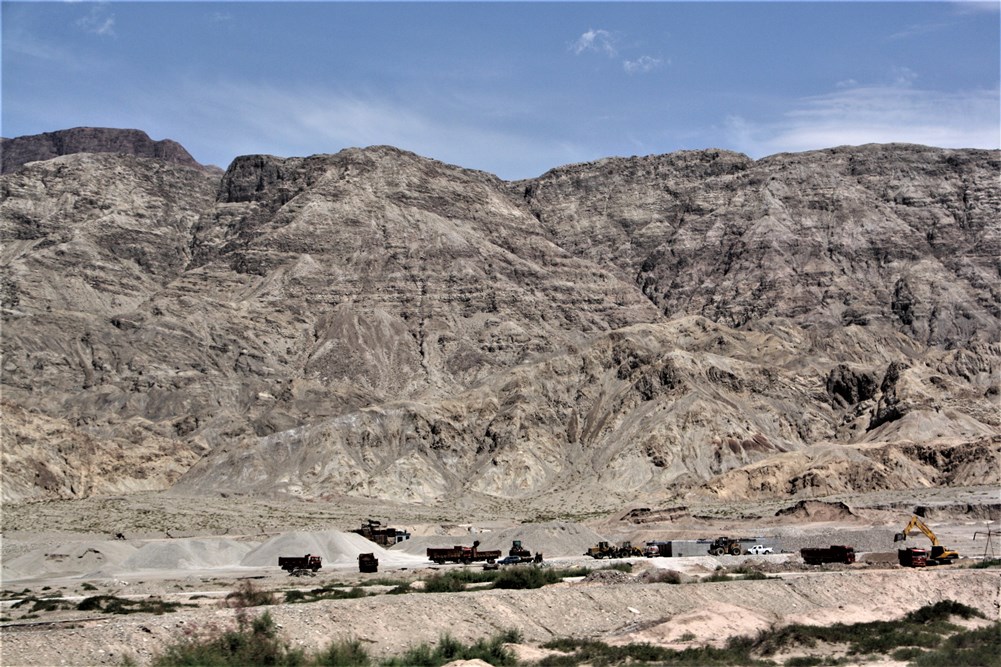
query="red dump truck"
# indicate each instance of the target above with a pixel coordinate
(300, 564)
(912, 557)
(461, 554)
(833, 554)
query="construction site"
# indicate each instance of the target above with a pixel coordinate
(634, 577)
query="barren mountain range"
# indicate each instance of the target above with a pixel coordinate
(377, 323)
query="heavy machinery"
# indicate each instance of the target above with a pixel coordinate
(373, 531)
(603, 550)
(627, 550)
(836, 553)
(725, 545)
(461, 554)
(299, 565)
(939, 555)
(609, 550)
(912, 557)
(657, 548)
(368, 563)
(517, 550)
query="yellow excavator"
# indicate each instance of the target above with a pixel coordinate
(939, 555)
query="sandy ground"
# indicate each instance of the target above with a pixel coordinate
(199, 566)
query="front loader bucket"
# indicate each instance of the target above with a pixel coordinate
(899, 537)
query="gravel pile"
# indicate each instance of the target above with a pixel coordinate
(186, 554)
(609, 577)
(71, 559)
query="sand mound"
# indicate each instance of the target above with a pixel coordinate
(335, 547)
(555, 539)
(186, 554)
(72, 559)
(816, 510)
(712, 625)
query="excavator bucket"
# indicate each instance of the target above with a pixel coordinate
(899, 537)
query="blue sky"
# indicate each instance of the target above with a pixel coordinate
(510, 88)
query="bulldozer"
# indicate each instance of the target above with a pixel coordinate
(940, 555)
(725, 545)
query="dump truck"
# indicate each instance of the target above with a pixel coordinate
(912, 557)
(836, 553)
(461, 554)
(368, 563)
(940, 555)
(296, 565)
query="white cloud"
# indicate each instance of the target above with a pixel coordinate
(641, 64)
(98, 22)
(875, 114)
(600, 41)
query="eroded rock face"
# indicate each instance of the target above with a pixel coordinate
(377, 323)
(900, 235)
(31, 148)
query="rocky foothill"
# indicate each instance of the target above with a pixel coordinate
(379, 324)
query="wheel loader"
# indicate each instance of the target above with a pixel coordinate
(725, 545)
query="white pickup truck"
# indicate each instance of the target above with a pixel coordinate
(759, 550)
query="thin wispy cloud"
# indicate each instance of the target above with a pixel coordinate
(289, 121)
(875, 114)
(98, 22)
(600, 41)
(917, 30)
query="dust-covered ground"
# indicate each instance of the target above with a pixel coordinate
(197, 551)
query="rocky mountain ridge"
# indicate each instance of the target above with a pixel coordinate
(381, 324)
(31, 148)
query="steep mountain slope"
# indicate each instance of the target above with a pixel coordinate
(378, 323)
(900, 235)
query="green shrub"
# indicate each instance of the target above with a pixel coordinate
(248, 595)
(443, 583)
(972, 648)
(987, 562)
(253, 642)
(42, 604)
(716, 577)
(349, 653)
(599, 654)
(527, 577)
(383, 581)
(112, 604)
(922, 628)
(941, 611)
(449, 649)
